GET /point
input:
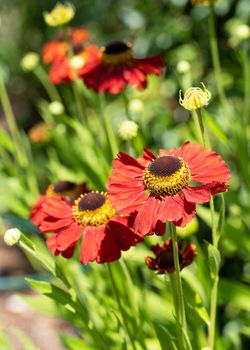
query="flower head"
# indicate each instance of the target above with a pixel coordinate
(166, 187)
(61, 14)
(12, 236)
(92, 217)
(164, 258)
(30, 61)
(195, 98)
(116, 67)
(56, 108)
(67, 63)
(67, 190)
(128, 130)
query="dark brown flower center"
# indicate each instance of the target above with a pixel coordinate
(63, 186)
(115, 47)
(165, 166)
(78, 48)
(166, 260)
(91, 201)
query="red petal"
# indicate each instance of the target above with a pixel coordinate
(147, 215)
(57, 208)
(68, 237)
(188, 214)
(172, 208)
(198, 194)
(89, 245)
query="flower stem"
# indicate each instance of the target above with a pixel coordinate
(215, 241)
(11, 121)
(108, 127)
(216, 60)
(246, 74)
(51, 90)
(199, 126)
(179, 304)
(125, 101)
(117, 297)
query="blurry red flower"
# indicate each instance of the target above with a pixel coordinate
(68, 59)
(164, 258)
(116, 67)
(105, 234)
(166, 187)
(62, 189)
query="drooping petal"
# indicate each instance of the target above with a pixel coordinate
(188, 214)
(198, 194)
(147, 216)
(57, 208)
(172, 208)
(89, 246)
(69, 236)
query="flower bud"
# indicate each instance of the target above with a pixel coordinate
(30, 61)
(56, 108)
(128, 130)
(195, 98)
(183, 67)
(61, 14)
(12, 236)
(242, 31)
(136, 106)
(77, 62)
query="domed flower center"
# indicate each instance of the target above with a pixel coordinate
(93, 209)
(91, 201)
(116, 52)
(63, 186)
(166, 176)
(63, 189)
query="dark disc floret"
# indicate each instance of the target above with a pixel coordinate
(91, 201)
(115, 47)
(165, 166)
(63, 186)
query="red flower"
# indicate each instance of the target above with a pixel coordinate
(164, 260)
(66, 65)
(66, 69)
(166, 187)
(62, 189)
(105, 234)
(116, 67)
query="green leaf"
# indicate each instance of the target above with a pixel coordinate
(165, 338)
(200, 309)
(53, 292)
(24, 225)
(235, 293)
(214, 260)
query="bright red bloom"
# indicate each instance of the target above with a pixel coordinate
(164, 257)
(66, 65)
(62, 189)
(67, 69)
(105, 234)
(166, 187)
(116, 67)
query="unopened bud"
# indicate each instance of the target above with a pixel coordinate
(128, 130)
(183, 67)
(136, 106)
(12, 236)
(56, 108)
(30, 61)
(195, 98)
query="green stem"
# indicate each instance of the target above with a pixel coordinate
(216, 60)
(11, 121)
(51, 90)
(199, 126)
(215, 241)
(117, 297)
(125, 101)
(246, 75)
(180, 307)
(108, 127)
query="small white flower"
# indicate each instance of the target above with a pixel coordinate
(183, 67)
(136, 106)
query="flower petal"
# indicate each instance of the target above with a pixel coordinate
(198, 194)
(172, 208)
(68, 237)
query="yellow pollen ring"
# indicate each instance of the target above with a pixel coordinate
(94, 217)
(167, 185)
(117, 58)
